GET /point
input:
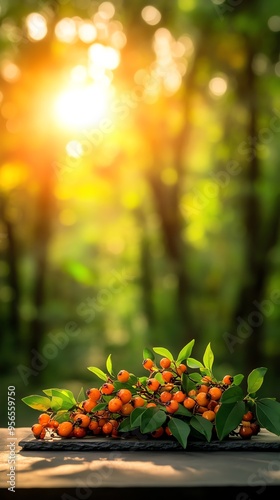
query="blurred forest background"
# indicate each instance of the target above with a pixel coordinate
(139, 185)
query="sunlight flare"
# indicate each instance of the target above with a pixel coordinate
(82, 106)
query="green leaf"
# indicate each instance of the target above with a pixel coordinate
(148, 354)
(194, 363)
(232, 395)
(40, 403)
(67, 398)
(124, 385)
(163, 352)
(237, 379)
(135, 417)
(125, 425)
(202, 426)
(81, 396)
(133, 379)
(255, 379)
(268, 414)
(109, 365)
(185, 352)
(158, 376)
(187, 383)
(99, 373)
(62, 416)
(183, 411)
(57, 404)
(151, 420)
(208, 357)
(99, 406)
(228, 418)
(195, 377)
(180, 430)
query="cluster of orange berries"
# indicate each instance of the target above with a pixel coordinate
(249, 426)
(163, 391)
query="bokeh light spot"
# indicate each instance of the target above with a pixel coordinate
(36, 26)
(274, 23)
(218, 86)
(151, 15)
(66, 30)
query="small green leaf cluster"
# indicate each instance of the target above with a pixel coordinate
(178, 398)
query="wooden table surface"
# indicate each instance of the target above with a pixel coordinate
(82, 475)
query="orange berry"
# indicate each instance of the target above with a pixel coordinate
(245, 432)
(212, 405)
(97, 431)
(165, 396)
(189, 403)
(179, 396)
(93, 425)
(123, 376)
(42, 434)
(167, 376)
(125, 395)
(203, 388)
(37, 429)
(248, 416)
(158, 432)
(216, 409)
(81, 420)
(64, 429)
(53, 424)
(165, 363)
(114, 423)
(206, 379)
(127, 408)
(181, 369)
(172, 406)
(227, 380)
(168, 431)
(255, 428)
(202, 398)
(107, 428)
(79, 432)
(115, 404)
(114, 433)
(148, 364)
(151, 405)
(153, 384)
(94, 394)
(201, 409)
(209, 415)
(44, 419)
(192, 393)
(107, 388)
(138, 401)
(88, 405)
(215, 393)
(168, 387)
(102, 421)
(245, 423)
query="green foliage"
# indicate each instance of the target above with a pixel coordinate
(157, 414)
